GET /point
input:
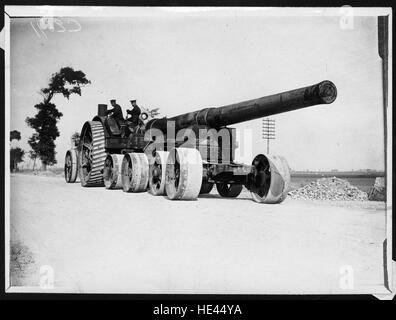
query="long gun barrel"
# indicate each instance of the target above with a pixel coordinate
(324, 92)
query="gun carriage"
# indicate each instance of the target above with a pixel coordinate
(186, 155)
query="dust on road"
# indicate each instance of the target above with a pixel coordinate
(100, 240)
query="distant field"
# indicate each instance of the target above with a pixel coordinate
(51, 171)
(362, 180)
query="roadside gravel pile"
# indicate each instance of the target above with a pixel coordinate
(329, 189)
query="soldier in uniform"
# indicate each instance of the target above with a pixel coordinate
(135, 113)
(116, 112)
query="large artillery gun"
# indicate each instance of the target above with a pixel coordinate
(184, 156)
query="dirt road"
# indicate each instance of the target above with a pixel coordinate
(97, 240)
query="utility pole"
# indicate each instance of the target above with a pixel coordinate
(268, 131)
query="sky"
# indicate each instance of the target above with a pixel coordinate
(181, 63)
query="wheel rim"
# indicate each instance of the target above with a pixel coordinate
(270, 179)
(86, 153)
(108, 170)
(229, 190)
(92, 154)
(174, 172)
(135, 172)
(177, 171)
(183, 175)
(156, 173)
(68, 167)
(127, 174)
(206, 187)
(262, 176)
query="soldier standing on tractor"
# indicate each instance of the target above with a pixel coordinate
(116, 112)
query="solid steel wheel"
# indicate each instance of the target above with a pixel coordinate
(206, 187)
(71, 166)
(229, 190)
(92, 154)
(271, 179)
(157, 173)
(183, 176)
(135, 172)
(112, 171)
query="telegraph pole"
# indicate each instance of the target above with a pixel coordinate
(268, 131)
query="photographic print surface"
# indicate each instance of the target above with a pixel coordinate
(288, 197)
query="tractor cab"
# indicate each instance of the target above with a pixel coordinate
(114, 126)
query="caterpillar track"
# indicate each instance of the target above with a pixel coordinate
(92, 155)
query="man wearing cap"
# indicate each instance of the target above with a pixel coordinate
(116, 112)
(135, 113)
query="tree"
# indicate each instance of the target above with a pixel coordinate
(66, 82)
(33, 155)
(16, 154)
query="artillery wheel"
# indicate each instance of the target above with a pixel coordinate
(112, 171)
(206, 187)
(183, 176)
(135, 172)
(157, 173)
(271, 179)
(71, 166)
(229, 190)
(92, 155)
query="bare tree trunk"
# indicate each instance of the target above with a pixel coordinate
(43, 166)
(34, 163)
(48, 98)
